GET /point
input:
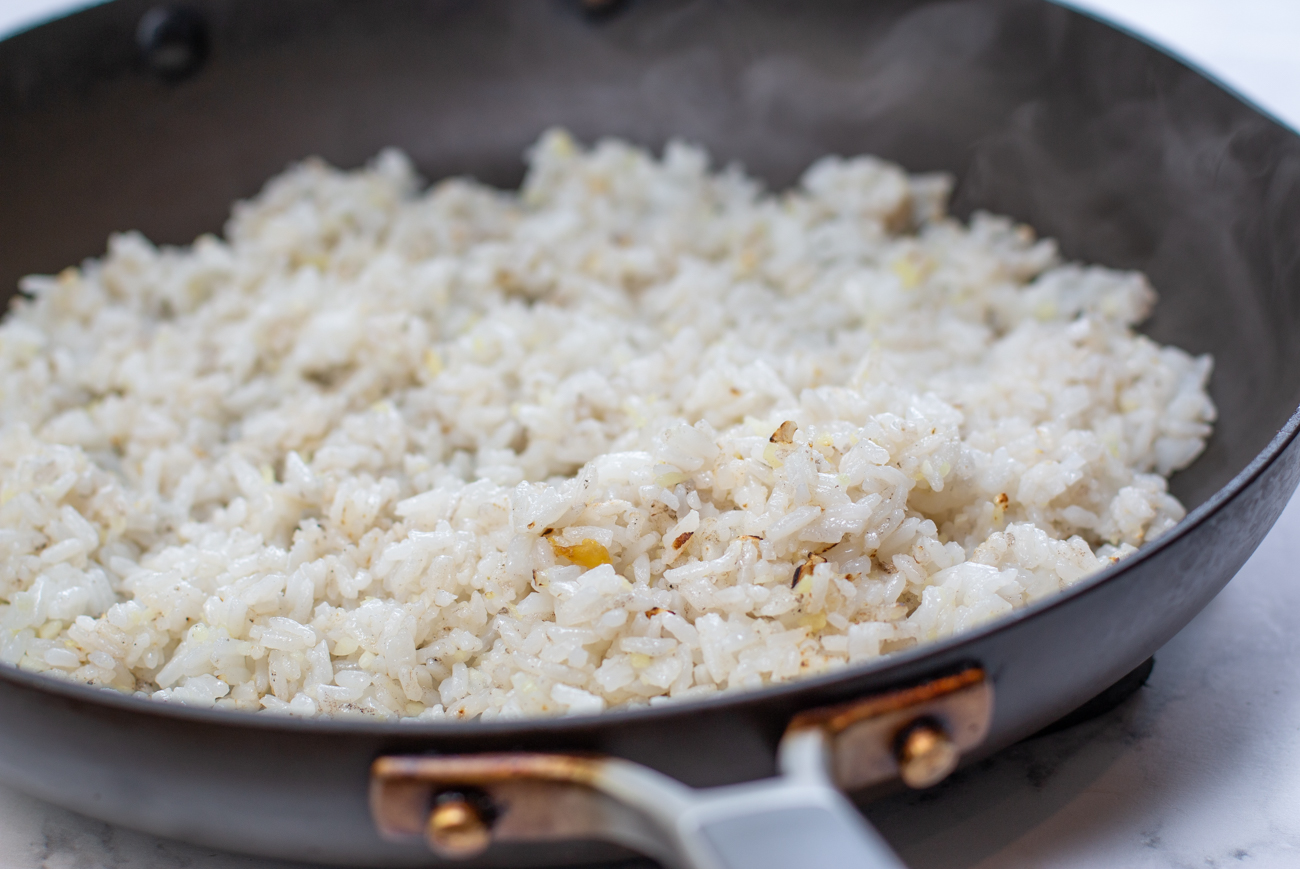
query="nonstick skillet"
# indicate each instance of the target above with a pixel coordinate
(156, 118)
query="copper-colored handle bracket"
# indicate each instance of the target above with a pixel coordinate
(536, 797)
(868, 742)
(460, 803)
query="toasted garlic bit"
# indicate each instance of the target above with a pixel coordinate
(784, 434)
(806, 569)
(589, 553)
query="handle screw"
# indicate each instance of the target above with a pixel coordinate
(457, 825)
(926, 754)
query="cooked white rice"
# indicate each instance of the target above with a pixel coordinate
(640, 431)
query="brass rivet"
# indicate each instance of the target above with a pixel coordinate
(457, 827)
(926, 754)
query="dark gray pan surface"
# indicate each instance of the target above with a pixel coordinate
(1128, 157)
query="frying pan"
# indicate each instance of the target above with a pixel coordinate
(131, 116)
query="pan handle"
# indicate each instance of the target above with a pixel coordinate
(799, 818)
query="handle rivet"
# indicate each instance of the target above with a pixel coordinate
(173, 41)
(458, 826)
(926, 754)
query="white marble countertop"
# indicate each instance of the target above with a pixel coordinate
(1200, 768)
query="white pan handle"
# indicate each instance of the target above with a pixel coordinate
(798, 820)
